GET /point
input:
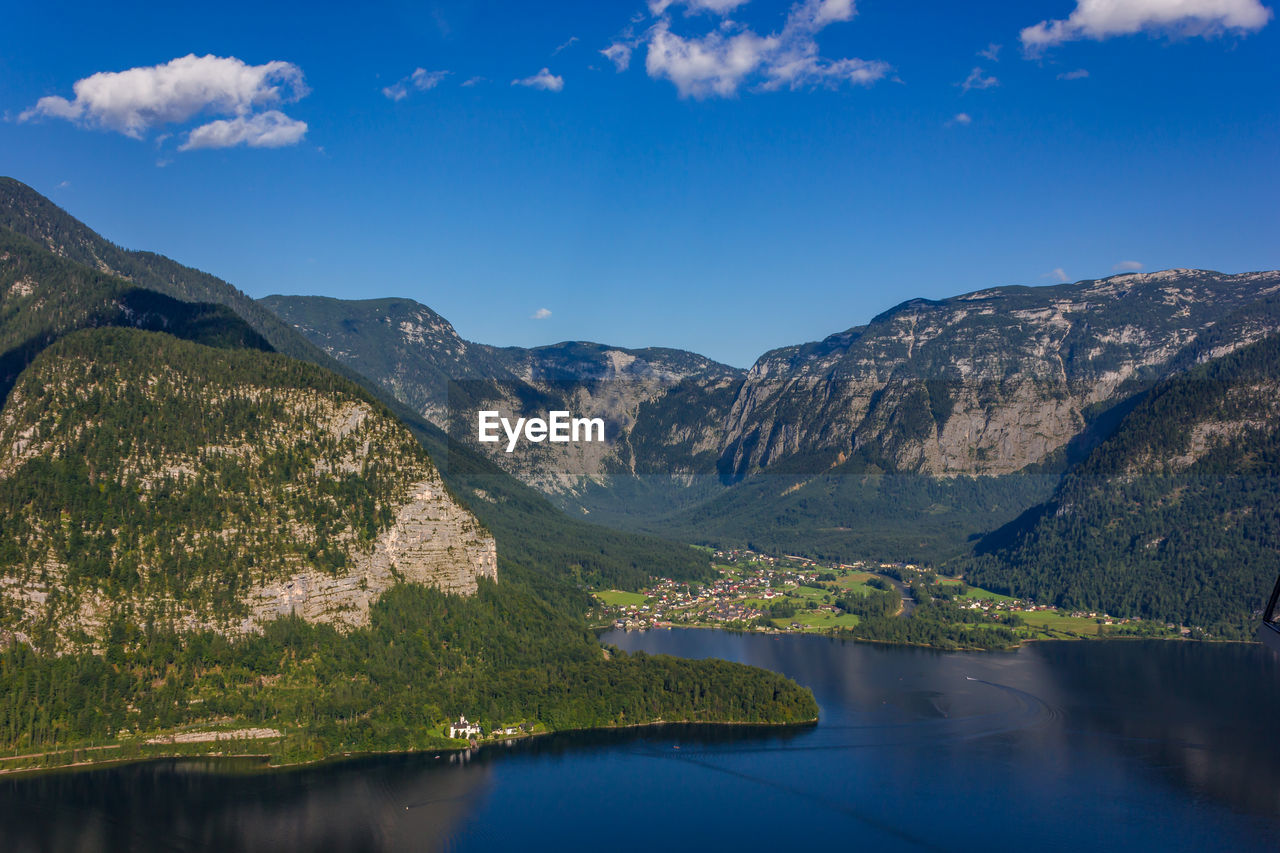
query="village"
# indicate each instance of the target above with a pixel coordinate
(788, 593)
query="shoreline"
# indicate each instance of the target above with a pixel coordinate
(268, 767)
(838, 634)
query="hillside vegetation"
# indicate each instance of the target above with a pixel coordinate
(169, 497)
(1176, 516)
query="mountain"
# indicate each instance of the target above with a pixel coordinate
(905, 438)
(418, 356)
(42, 244)
(27, 213)
(43, 297)
(160, 480)
(1175, 516)
(983, 384)
(198, 531)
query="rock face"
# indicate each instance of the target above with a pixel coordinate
(987, 383)
(432, 541)
(417, 355)
(145, 479)
(983, 384)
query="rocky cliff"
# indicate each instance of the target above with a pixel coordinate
(417, 355)
(983, 384)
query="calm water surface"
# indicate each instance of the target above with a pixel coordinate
(1059, 746)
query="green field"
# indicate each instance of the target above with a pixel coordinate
(618, 598)
(818, 619)
(975, 592)
(854, 579)
(1051, 621)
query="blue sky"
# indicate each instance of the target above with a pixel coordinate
(760, 174)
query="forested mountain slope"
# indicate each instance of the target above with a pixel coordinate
(1176, 516)
(149, 480)
(27, 213)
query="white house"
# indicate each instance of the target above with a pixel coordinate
(463, 729)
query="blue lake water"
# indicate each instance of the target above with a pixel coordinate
(1058, 746)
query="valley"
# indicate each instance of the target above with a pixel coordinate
(710, 425)
(217, 520)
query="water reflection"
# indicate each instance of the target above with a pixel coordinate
(1206, 719)
(390, 803)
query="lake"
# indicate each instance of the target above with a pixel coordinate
(1142, 745)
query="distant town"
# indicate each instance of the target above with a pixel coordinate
(788, 593)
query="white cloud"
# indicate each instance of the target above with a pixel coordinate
(977, 80)
(1078, 74)
(540, 314)
(1127, 266)
(544, 79)
(992, 52)
(64, 184)
(723, 60)
(713, 65)
(137, 99)
(961, 119)
(1058, 274)
(1100, 19)
(571, 40)
(619, 53)
(421, 79)
(473, 81)
(717, 7)
(272, 129)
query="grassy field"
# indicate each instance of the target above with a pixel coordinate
(854, 580)
(819, 619)
(1050, 621)
(975, 592)
(618, 598)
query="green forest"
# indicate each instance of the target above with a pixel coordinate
(1150, 525)
(500, 657)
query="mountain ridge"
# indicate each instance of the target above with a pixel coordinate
(1002, 382)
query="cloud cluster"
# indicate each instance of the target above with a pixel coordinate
(544, 80)
(619, 53)
(421, 79)
(1100, 19)
(272, 129)
(540, 314)
(720, 62)
(136, 100)
(977, 79)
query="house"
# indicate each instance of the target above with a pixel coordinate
(463, 729)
